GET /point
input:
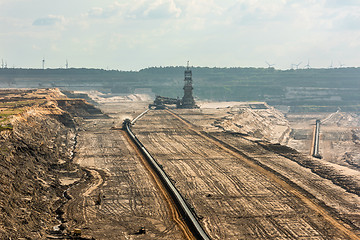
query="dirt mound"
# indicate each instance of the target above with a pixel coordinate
(342, 119)
(256, 120)
(110, 98)
(78, 108)
(339, 175)
(353, 158)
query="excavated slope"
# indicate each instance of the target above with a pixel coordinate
(256, 119)
(33, 157)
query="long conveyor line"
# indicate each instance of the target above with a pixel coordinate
(183, 207)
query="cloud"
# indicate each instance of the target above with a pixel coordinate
(259, 9)
(341, 3)
(350, 21)
(48, 21)
(211, 32)
(328, 16)
(162, 9)
(345, 18)
(98, 12)
(148, 9)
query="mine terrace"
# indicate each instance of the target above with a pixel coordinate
(95, 165)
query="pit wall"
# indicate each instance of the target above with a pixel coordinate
(33, 156)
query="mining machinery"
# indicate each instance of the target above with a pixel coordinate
(186, 102)
(161, 102)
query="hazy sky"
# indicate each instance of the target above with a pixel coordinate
(134, 34)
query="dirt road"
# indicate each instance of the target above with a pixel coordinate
(235, 198)
(119, 196)
(239, 188)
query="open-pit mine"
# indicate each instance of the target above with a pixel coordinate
(239, 170)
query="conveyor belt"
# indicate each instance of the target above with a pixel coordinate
(183, 207)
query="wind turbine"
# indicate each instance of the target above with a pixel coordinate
(43, 63)
(308, 64)
(297, 65)
(331, 65)
(67, 64)
(2, 63)
(269, 65)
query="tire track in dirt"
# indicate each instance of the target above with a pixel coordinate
(174, 212)
(313, 206)
(130, 198)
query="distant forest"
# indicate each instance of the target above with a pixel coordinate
(302, 89)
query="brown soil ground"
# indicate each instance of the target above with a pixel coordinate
(129, 197)
(236, 198)
(66, 165)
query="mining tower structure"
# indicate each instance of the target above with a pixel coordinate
(186, 102)
(188, 99)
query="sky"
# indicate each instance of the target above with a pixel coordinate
(136, 34)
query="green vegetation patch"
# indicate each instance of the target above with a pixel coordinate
(19, 104)
(6, 127)
(10, 108)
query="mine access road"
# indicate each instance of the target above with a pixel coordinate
(243, 194)
(192, 224)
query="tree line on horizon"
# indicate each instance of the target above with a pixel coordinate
(319, 87)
